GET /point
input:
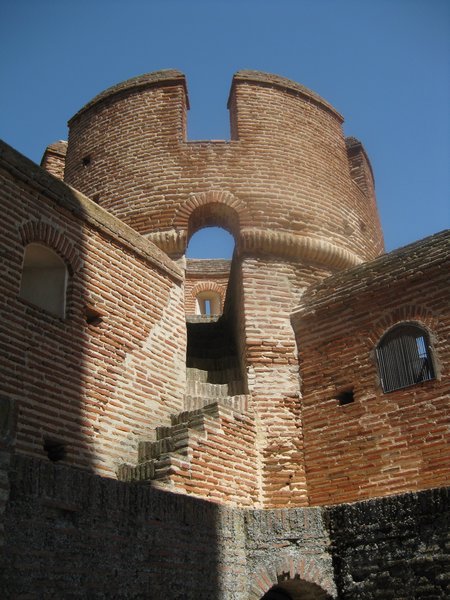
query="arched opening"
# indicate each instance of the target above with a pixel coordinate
(212, 360)
(208, 303)
(296, 589)
(211, 243)
(44, 279)
(276, 593)
(404, 357)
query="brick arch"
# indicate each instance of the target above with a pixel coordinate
(45, 233)
(411, 313)
(207, 286)
(218, 198)
(290, 568)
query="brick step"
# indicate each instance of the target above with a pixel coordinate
(214, 390)
(238, 402)
(218, 375)
(172, 449)
(210, 363)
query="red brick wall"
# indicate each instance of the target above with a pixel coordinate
(286, 168)
(205, 275)
(96, 388)
(221, 461)
(271, 289)
(54, 159)
(381, 443)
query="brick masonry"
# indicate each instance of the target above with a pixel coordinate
(221, 493)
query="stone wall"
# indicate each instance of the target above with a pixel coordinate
(83, 536)
(394, 547)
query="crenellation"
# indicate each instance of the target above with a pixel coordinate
(163, 417)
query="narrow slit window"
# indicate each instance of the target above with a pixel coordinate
(404, 357)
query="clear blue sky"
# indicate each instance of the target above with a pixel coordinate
(384, 64)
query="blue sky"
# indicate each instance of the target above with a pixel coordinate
(384, 64)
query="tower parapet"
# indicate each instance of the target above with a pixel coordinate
(286, 168)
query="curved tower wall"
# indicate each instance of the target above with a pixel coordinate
(286, 170)
(297, 196)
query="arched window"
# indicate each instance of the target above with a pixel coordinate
(208, 303)
(404, 357)
(44, 279)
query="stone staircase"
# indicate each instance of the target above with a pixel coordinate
(214, 390)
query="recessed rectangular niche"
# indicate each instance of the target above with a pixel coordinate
(345, 397)
(93, 316)
(56, 450)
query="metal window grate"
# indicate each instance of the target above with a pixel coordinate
(404, 358)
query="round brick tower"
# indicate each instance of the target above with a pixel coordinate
(296, 195)
(287, 182)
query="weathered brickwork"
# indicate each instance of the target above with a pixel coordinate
(238, 434)
(204, 275)
(54, 159)
(94, 388)
(382, 443)
(274, 160)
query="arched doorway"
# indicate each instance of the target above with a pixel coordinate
(296, 589)
(276, 593)
(213, 369)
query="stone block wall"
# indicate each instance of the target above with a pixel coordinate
(83, 536)
(393, 548)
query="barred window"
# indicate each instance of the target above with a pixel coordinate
(404, 357)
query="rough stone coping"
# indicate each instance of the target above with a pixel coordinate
(283, 83)
(202, 318)
(85, 209)
(164, 77)
(337, 288)
(207, 266)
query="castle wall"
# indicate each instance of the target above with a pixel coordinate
(271, 289)
(94, 388)
(85, 536)
(381, 443)
(128, 148)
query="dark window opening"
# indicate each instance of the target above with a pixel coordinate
(345, 397)
(55, 450)
(93, 316)
(404, 357)
(276, 593)
(86, 160)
